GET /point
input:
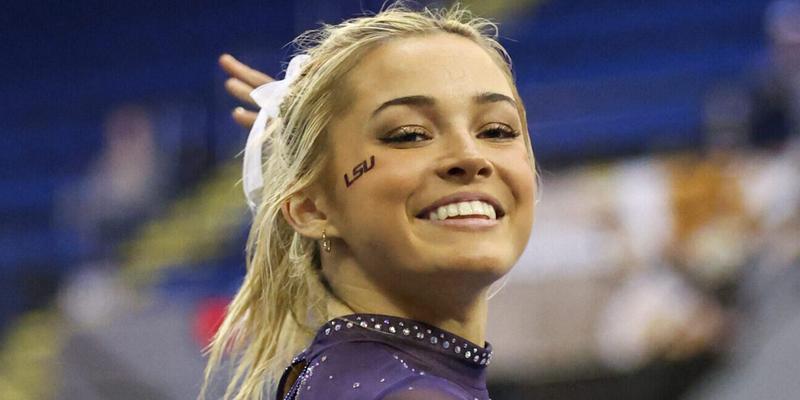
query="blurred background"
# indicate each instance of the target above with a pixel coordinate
(663, 263)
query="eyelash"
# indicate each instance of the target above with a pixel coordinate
(404, 134)
(505, 133)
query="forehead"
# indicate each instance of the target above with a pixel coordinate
(440, 65)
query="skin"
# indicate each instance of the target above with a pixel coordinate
(384, 259)
(241, 82)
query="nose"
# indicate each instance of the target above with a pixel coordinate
(465, 162)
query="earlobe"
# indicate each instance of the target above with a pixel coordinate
(303, 213)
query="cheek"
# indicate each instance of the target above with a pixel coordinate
(522, 181)
(525, 182)
(381, 193)
(375, 214)
(516, 170)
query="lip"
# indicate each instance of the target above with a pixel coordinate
(463, 196)
(466, 224)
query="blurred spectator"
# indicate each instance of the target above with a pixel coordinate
(764, 351)
(711, 224)
(658, 311)
(655, 315)
(124, 184)
(776, 99)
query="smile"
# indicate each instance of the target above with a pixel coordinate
(463, 209)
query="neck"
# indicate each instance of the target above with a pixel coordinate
(457, 308)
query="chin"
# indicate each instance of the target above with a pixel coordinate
(489, 267)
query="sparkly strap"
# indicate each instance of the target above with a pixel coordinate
(418, 332)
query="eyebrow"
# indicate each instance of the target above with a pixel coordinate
(492, 97)
(428, 101)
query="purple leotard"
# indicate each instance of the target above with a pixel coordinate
(375, 357)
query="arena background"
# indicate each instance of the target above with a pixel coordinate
(663, 263)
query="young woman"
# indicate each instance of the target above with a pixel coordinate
(398, 184)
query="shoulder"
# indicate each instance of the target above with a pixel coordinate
(366, 371)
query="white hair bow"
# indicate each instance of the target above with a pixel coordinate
(269, 97)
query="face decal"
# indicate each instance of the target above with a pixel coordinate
(359, 170)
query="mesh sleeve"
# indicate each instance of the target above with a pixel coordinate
(421, 394)
(425, 388)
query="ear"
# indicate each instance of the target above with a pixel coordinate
(303, 211)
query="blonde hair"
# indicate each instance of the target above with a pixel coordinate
(283, 298)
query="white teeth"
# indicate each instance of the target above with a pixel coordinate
(452, 210)
(477, 206)
(474, 207)
(442, 212)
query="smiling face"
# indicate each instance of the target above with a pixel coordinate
(439, 118)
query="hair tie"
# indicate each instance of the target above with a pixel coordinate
(269, 97)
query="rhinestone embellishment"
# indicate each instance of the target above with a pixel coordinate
(396, 326)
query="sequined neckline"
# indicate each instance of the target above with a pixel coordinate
(412, 332)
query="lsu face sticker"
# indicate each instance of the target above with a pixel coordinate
(359, 170)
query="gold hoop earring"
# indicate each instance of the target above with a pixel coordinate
(326, 243)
